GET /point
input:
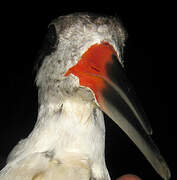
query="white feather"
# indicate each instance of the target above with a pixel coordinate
(74, 135)
(68, 139)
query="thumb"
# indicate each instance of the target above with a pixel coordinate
(129, 177)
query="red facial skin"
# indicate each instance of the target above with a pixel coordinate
(92, 67)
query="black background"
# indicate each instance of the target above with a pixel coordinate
(147, 64)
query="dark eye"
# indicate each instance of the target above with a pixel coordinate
(50, 40)
(49, 45)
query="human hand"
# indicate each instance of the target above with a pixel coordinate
(129, 177)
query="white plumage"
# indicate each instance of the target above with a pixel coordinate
(65, 140)
(68, 140)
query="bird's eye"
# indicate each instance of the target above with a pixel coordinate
(49, 45)
(50, 40)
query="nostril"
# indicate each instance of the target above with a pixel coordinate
(94, 68)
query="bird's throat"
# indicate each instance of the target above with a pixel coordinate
(74, 127)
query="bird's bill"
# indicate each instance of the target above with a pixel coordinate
(100, 70)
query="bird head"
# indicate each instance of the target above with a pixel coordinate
(83, 56)
(74, 48)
